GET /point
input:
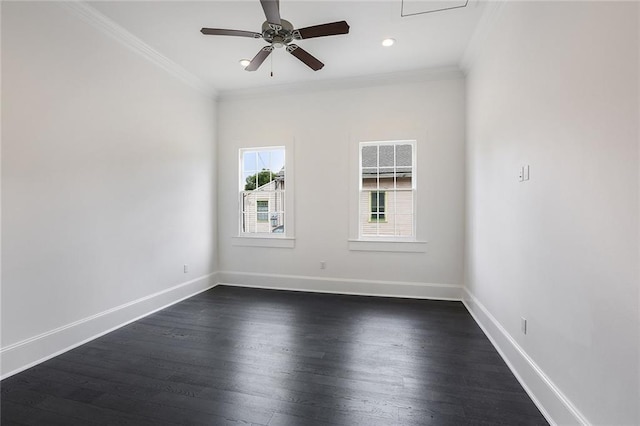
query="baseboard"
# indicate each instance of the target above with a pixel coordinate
(32, 351)
(342, 285)
(551, 402)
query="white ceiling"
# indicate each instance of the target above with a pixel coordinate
(172, 28)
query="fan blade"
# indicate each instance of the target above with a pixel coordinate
(238, 33)
(271, 11)
(323, 30)
(259, 58)
(305, 57)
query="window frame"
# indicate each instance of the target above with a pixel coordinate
(241, 191)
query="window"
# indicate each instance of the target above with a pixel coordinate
(387, 190)
(262, 191)
(377, 206)
(262, 208)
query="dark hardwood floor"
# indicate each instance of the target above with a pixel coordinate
(264, 357)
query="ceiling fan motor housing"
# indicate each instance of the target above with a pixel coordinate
(278, 35)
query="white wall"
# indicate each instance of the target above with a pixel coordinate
(324, 127)
(555, 86)
(108, 183)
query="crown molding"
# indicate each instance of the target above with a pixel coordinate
(109, 27)
(491, 12)
(400, 77)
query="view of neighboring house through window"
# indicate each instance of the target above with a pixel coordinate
(262, 190)
(387, 189)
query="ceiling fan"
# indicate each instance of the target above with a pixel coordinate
(280, 33)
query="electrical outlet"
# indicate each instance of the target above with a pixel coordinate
(323, 264)
(186, 268)
(523, 325)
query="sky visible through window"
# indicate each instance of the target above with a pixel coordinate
(255, 161)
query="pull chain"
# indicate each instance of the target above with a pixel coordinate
(272, 63)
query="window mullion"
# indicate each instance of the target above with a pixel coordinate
(378, 190)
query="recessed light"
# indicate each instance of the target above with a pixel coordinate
(388, 42)
(245, 62)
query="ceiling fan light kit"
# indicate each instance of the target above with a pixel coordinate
(280, 33)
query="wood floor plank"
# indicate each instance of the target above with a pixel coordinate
(240, 356)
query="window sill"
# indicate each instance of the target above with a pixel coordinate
(274, 242)
(397, 246)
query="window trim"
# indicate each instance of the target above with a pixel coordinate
(263, 241)
(395, 246)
